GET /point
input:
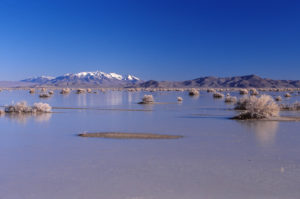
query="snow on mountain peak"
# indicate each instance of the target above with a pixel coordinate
(97, 75)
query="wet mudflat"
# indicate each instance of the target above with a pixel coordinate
(41, 156)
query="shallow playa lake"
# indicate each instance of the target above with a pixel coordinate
(42, 156)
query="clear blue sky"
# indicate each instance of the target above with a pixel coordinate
(152, 39)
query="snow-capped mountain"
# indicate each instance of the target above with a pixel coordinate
(97, 78)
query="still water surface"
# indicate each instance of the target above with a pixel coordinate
(41, 156)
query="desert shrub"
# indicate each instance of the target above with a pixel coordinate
(278, 98)
(287, 95)
(218, 95)
(44, 95)
(147, 99)
(80, 90)
(22, 107)
(257, 107)
(179, 99)
(211, 90)
(65, 91)
(41, 107)
(290, 107)
(31, 90)
(230, 99)
(193, 92)
(253, 91)
(243, 91)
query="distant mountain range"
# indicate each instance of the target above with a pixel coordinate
(225, 82)
(101, 79)
(86, 79)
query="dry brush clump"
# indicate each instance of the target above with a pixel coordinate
(89, 90)
(290, 107)
(193, 92)
(65, 91)
(211, 90)
(44, 95)
(230, 99)
(22, 107)
(253, 91)
(80, 91)
(147, 99)
(257, 108)
(179, 99)
(243, 91)
(278, 98)
(218, 95)
(287, 95)
(31, 91)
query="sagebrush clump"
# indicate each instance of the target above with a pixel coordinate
(290, 107)
(22, 107)
(147, 99)
(65, 91)
(257, 107)
(230, 99)
(179, 99)
(218, 95)
(193, 92)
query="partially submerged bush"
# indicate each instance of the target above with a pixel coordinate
(44, 95)
(147, 99)
(211, 90)
(218, 95)
(65, 91)
(287, 95)
(179, 99)
(22, 107)
(193, 92)
(258, 108)
(278, 98)
(230, 99)
(243, 91)
(290, 107)
(253, 91)
(80, 90)
(31, 91)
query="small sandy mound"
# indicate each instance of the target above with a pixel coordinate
(117, 135)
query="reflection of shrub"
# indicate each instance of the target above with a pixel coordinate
(193, 92)
(147, 99)
(22, 107)
(257, 107)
